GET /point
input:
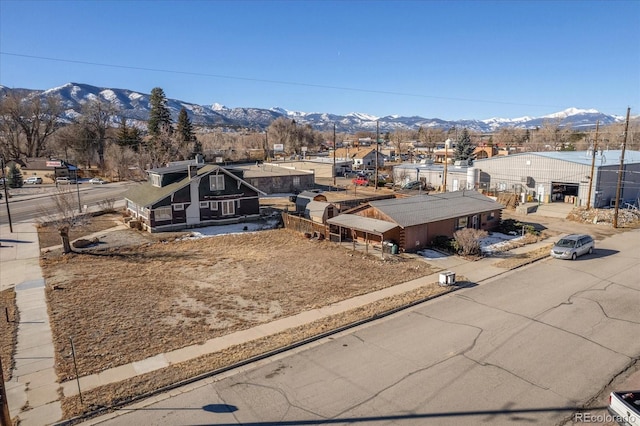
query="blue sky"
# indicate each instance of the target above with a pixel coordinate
(435, 59)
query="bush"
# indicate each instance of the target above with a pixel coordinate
(514, 227)
(468, 240)
(443, 242)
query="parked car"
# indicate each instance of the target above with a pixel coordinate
(97, 181)
(572, 246)
(64, 179)
(412, 185)
(360, 181)
(33, 180)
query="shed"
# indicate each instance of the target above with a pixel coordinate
(305, 197)
(319, 211)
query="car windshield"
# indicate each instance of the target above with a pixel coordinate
(566, 243)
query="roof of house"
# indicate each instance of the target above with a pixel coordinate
(353, 152)
(361, 223)
(311, 195)
(146, 194)
(269, 170)
(422, 209)
(40, 163)
(603, 158)
(174, 168)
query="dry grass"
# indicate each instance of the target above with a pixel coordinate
(522, 259)
(126, 304)
(8, 330)
(48, 235)
(122, 392)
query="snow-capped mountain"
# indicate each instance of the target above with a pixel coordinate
(135, 106)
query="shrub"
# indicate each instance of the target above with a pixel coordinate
(443, 242)
(468, 240)
(514, 227)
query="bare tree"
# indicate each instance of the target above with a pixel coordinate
(120, 160)
(282, 130)
(28, 123)
(63, 216)
(96, 119)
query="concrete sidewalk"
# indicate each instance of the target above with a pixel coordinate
(32, 392)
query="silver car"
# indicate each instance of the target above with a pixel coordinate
(572, 246)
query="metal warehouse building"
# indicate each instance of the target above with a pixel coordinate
(564, 176)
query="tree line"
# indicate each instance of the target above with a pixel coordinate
(101, 136)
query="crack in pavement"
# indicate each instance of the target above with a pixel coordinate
(538, 321)
(414, 372)
(284, 396)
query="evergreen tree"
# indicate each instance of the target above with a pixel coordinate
(159, 115)
(184, 128)
(464, 148)
(14, 177)
(128, 136)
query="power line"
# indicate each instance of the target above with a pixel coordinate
(281, 82)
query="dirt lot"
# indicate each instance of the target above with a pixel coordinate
(125, 304)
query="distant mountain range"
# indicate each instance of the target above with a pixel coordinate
(135, 106)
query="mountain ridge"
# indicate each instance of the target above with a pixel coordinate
(135, 106)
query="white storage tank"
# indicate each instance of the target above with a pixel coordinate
(473, 177)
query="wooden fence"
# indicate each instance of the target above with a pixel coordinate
(304, 226)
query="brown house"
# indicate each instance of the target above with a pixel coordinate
(414, 222)
(187, 196)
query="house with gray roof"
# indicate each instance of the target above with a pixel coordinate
(183, 196)
(414, 222)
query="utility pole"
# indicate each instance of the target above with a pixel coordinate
(621, 170)
(375, 185)
(6, 195)
(593, 163)
(446, 160)
(334, 155)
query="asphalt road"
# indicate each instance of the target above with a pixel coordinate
(524, 348)
(29, 203)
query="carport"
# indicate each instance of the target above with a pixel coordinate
(353, 227)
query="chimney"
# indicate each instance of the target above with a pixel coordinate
(193, 171)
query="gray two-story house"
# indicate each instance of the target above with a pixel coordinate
(194, 195)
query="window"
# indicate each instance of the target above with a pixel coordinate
(156, 180)
(228, 208)
(462, 222)
(214, 206)
(491, 215)
(204, 204)
(296, 181)
(178, 207)
(162, 213)
(216, 182)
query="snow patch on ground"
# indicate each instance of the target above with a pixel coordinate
(234, 228)
(496, 242)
